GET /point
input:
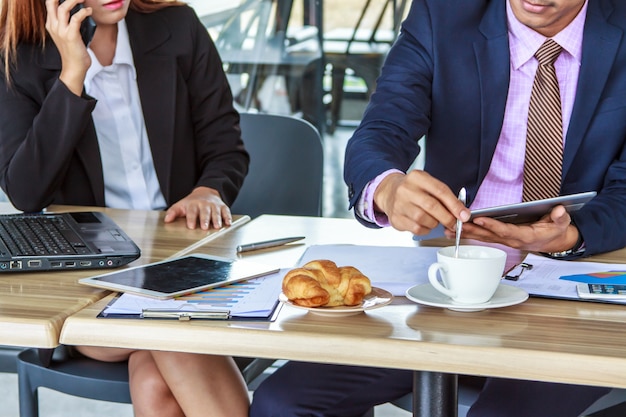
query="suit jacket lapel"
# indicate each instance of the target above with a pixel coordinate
(493, 62)
(601, 41)
(156, 80)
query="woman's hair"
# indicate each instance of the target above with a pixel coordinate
(24, 21)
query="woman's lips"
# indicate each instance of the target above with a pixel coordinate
(114, 5)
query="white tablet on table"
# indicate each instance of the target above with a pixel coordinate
(176, 277)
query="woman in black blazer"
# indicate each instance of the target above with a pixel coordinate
(141, 119)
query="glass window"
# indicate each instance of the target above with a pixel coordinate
(271, 51)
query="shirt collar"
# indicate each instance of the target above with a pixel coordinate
(524, 41)
(123, 55)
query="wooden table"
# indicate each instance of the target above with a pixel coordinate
(547, 340)
(33, 306)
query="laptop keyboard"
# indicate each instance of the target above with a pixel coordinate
(40, 236)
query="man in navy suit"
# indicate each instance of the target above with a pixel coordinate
(461, 74)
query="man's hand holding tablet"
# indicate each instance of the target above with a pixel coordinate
(531, 211)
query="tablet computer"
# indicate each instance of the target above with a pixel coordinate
(531, 211)
(175, 277)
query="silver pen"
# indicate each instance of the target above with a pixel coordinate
(267, 244)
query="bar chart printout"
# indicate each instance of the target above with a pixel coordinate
(250, 298)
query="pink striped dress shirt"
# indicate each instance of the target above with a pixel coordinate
(504, 181)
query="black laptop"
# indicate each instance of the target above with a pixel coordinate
(62, 241)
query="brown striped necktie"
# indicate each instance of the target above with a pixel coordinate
(544, 137)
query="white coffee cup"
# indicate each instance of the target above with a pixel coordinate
(472, 278)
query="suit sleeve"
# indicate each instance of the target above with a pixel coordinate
(602, 221)
(398, 114)
(39, 132)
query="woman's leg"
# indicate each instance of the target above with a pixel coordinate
(105, 354)
(204, 385)
(150, 393)
(199, 385)
(148, 390)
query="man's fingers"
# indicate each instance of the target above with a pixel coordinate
(559, 215)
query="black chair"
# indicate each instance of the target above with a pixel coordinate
(82, 377)
(286, 167)
(87, 378)
(8, 357)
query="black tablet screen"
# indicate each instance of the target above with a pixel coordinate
(173, 276)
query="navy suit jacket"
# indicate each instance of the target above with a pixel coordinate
(48, 146)
(447, 77)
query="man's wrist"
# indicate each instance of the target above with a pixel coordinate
(365, 207)
(577, 250)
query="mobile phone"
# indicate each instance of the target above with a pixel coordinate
(531, 211)
(87, 27)
(602, 291)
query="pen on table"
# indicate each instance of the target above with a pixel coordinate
(267, 244)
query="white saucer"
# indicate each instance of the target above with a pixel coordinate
(376, 299)
(505, 295)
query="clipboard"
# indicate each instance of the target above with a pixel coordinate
(187, 315)
(252, 300)
(184, 315)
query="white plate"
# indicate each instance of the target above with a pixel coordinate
(376, 299)
(505, 295)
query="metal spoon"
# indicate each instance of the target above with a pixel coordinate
(459, 224)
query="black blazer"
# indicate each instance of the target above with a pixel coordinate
(48, 145)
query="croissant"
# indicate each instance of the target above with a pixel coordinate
(322, 283)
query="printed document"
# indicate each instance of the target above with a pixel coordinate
(558, 279)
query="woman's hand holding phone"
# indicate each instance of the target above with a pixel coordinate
(87, 26)
(64, 21)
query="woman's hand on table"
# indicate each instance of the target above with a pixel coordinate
(203, 207)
